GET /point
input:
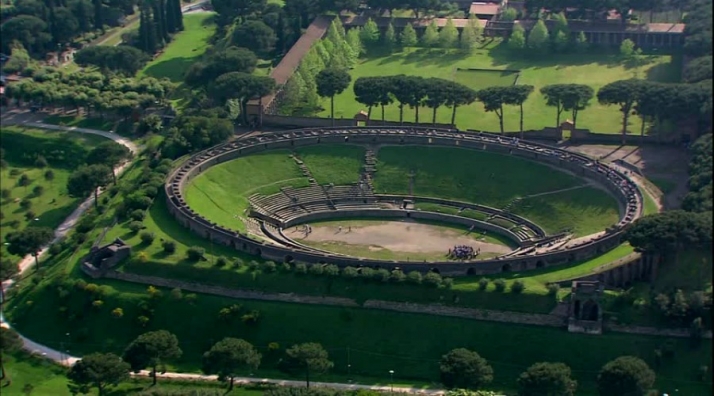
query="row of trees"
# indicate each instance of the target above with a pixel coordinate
(433, 37)
(539, 40)
(587, 9)
(231, 357)
(158, 21)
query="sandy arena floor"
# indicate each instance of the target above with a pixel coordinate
(396, 236)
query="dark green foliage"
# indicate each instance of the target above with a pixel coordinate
(8, 269)
(229, 357)
(168, 246)
(698, 69)
(256, 36)
(97, 370)
(28, 241)
(553, 379)
(147, 238)
(500, 284)
(331, 82)
(87, 179)
(308, 358)
(121, 59)
(670, 231)
(151, 350)
(232, 59)
(625, 376)
(59, 153)
(699, 198)
(195, 253)
(464, 369)
(517, 286)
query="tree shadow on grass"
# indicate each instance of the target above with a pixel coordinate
(425, 57)
(174, 69)
(503, 56)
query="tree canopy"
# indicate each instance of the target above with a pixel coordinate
(626, 375)
(29, 241)
(152, 350)
(465, 369)
(310, 358)
(97, 370)
(547, 379)
(228, 357)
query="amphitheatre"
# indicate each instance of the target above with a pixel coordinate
(269, 217)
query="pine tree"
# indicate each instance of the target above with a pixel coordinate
(354, 41)
(449, 35)
(517, 41)
(169, 17)
(369, 34)
(561, 24)
(147, 32)
(581, 43)
(430, 39)
(178, 15)
(390, 37)
(470, 35)
(561, 43)
(538, 37)
(408, 38)
(160, 18)
(98, 15)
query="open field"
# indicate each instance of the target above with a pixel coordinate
(394, 240)
(185, 49)
(370, 335)
(337, 163)
(594, 69)
(53, 205)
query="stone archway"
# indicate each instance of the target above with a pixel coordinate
(506, 268)
(258, 252)
(288, 259)
(435, 270)
(591, 311)
(471, 271)
(540, 264)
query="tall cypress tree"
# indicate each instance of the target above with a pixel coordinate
(98, 15)
(170, 17)
(147, 31)
(161, 34)
(178, 15)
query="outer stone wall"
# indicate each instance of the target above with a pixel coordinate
(619, 184)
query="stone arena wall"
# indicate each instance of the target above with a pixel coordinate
(576, 163)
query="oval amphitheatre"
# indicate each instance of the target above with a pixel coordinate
(281, 225)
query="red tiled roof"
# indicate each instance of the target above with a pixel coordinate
(483, 9)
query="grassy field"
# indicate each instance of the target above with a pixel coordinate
(480, 79)
(80, 122)
(338, 164)
(186, 48)
(221, 193)
(377, 341)
(595, 69)
(53, 205)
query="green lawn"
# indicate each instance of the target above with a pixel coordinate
(595, 69)
(80, 122)
(54, 204)
(338, 164)
(480, 79)
(186, 48)
(377, 341)
(221, 193)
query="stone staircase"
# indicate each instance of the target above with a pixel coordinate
(507, 208)
(330, 203)
(305, 171)
(369, 167)
(253, 227)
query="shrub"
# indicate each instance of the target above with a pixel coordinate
(41, 162)
(13, 223)
(5, 193)
(147, 237)
(381, 275)
(252, 317)
(176, 294)
(56, 248)
(49, 175)
(482, 284)
(38, 190)
(137, 215)
(268, 267)
(237, 263)
(414, 277)
(14, 172)
(117, 313)
(397, 276)
(447, 283)
(300, 268)
(190, 298)
(285, 267)
(26, 204)
(29, 215)
(432, 279)
(331, 270)
(553, 289)
(142, 257)
(253, 265)
(366, 273)
(316, 269)
(195, 253)
(142, 320)
(517, 286)
(500, 284)
(135, 226)
(23, 181)
(168, 246)
(97, 304)
(221, 261)
(80, 284)
(350, 272)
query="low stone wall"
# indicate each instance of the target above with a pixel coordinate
(302, 122)
(623, 189)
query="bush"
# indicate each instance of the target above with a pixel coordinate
(176, 294)
(253, 265)
(237, 263)
(397, 276)
(29, 215)
(5, 193)
(285, 267)
(221, 262)
(147, 237)
(41, 162)
(25, 204)
(138, 215)
(381, 275)
(190, 298)
(331, 270)
(195, 253)
(117, 313)
(500, 284)
(169, 246)
(366, 273)
(350, 272)
(447, 283)
(14, 172)
(135, 226)
(517, 286)
(49, 175)
(414, 277)
(316, 269)
(432, 279)
(13, 223)
(483, 284)
(268, 267)
(553, 289)
(24, 181)
(300, 268)
(55, 249)
(38, 190)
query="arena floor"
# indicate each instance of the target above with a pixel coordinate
(389, 239)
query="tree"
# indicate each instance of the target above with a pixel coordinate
(698, 69)
(232, 59)
(669, 231)
(243, 87)
(554, 94)
(581, 42)
(408, 37)
(98, 15)
(470, 35)
(430, 39)
(517, 40)
(256, 36)
(8, 269)
(464, 369)
(627, 49)
(561, 42)
(390, 37)
(97, 370)
(367, 92)
(354, 41)
(152, 350)
(625, 376)
(538, 37)
(449, 35)
(493, 99)
(552, 379)
(10, 342)
(87, 179)
(437, 95)
(561, 24)
(331, 82)
(459, 95)
(623, 93)
(122, 59)
(108, 153)
(228, 357)
(29, 241)
(310, 358)
(369, 35)
(516, 95)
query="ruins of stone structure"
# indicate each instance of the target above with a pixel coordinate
(584, 312)
(101, 259)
